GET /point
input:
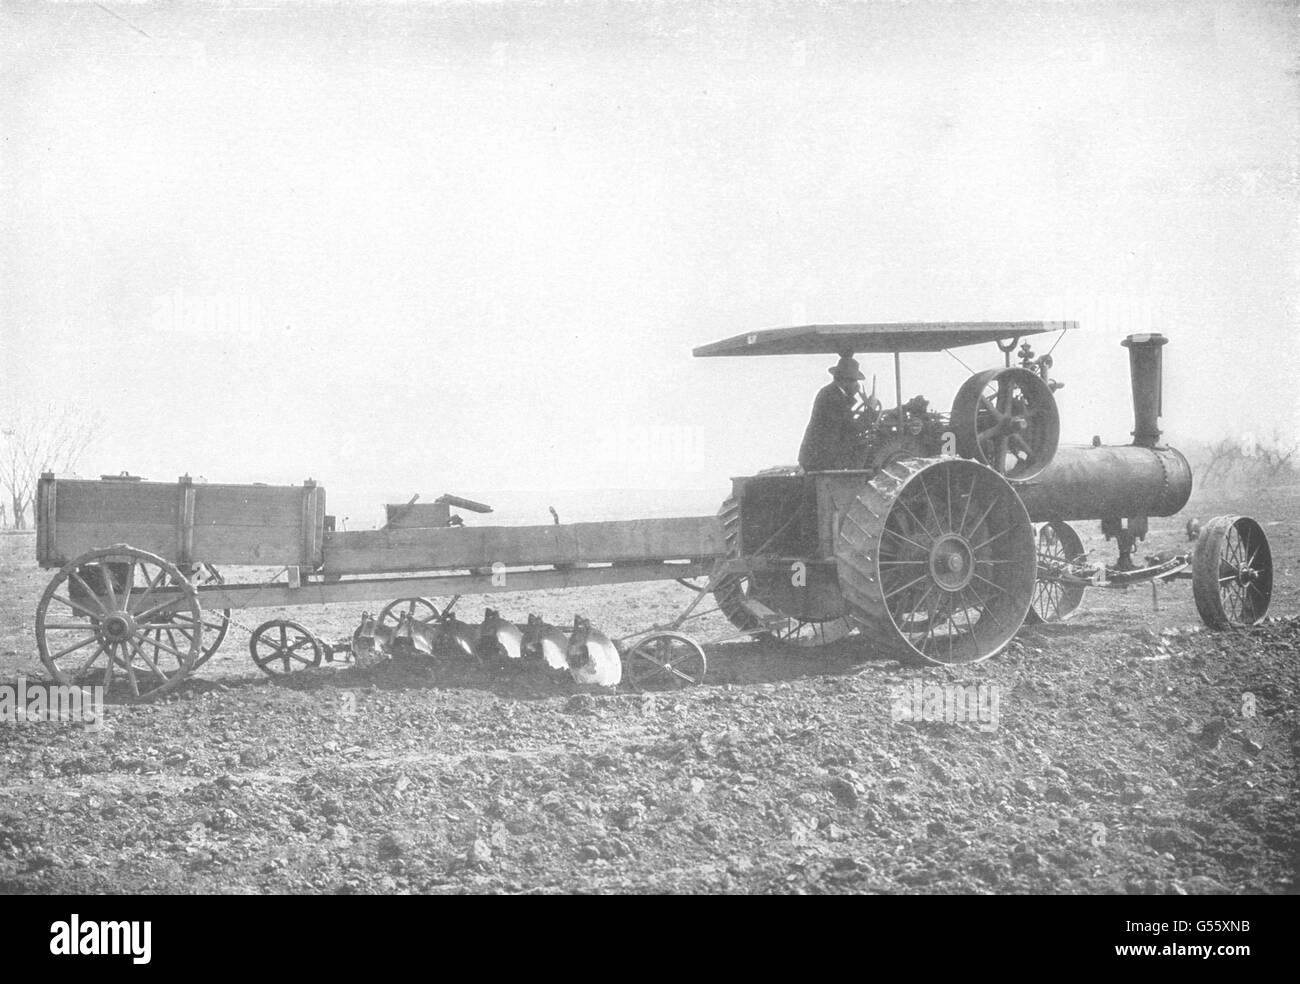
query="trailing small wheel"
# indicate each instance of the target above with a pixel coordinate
(935, 558)
(96, 622)
(1232, 572)
(665, 660)
(280, 647)
(1057, 593)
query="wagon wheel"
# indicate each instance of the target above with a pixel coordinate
(213, 626)
(1007, 419)
(936, 558)
(1059, 549)
(1232, 572)
(665, 660)
(420, 610)
(733, 594)
(97, 617)
(280, 647)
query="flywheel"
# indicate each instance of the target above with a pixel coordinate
(936, 559)
(1007, 419)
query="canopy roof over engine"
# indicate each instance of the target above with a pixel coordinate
(902, 336)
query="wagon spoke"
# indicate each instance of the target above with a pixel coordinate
(130, 676)
(130, 583)
(146, 615)
(148, 662)
(86, 587)
(150, 582)
(76, 606)
(107, 575)
(175, 652)
(73, 648)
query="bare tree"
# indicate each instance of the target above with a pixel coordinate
(38, 439)
(1244, 461)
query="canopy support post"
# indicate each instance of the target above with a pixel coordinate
(898, 389)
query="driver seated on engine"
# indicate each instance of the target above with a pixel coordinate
(841, 415)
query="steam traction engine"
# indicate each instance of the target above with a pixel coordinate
(926, 542)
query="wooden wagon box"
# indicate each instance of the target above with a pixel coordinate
(183, 522)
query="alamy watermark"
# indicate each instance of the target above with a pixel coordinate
(36, 702)
(75, 938)
(213, 315)
(948, 703)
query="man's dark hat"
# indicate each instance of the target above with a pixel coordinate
(846, 367)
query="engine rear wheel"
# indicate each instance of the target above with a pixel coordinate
(1232, 572)
(936, 559)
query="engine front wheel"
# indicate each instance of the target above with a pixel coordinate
(1057, 591)
(1232, 572)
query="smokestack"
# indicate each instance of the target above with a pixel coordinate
(1145, 373)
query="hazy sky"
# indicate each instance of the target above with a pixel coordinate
(470, 246)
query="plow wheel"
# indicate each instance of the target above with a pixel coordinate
(420, 610)
(280, 647)
(96, 622)
(936, 558)
(735, 597)
(178, 627)
(1055, 599)
(665, 660)
(1232, 572)
(1007, 419)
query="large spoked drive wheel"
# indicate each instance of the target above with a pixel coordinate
(665, 660)
(936, 558)
(280, 647)
(734, 595)
(1057, 593)
(96, 622)
(1007, 419)
(1232, 572)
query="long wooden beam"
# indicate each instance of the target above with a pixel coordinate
(279, 595)
(475, 547)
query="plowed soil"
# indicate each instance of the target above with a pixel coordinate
(1133, 752)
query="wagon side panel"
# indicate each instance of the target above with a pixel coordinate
(80, 516)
